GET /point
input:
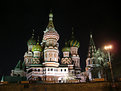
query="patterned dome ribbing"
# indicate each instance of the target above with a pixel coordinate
(73, 42)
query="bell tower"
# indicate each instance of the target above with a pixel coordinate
(91, 52)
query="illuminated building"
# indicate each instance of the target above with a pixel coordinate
(41, 61)
(95, 61)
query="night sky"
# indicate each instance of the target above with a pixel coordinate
(102, 18)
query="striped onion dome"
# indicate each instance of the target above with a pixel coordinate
(74, 43)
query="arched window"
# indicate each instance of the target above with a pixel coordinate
(48, 69)
(61, 70)
(51, 69)
(39, 70)
(29, 70)
(89, 62)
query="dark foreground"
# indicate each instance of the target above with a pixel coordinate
(97, 86)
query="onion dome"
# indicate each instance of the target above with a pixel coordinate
(73, 42)
(51, 34)
(31, 41)
(37, 47)
(66, 48)
(50, 30)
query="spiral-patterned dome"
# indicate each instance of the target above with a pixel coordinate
(31, 41)
(37, 47)
(74, 43)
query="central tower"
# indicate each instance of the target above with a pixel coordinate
(50, 39)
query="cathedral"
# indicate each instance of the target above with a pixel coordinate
(42, 61)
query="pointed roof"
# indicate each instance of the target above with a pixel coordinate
(23, 65)
(19, 65)
(31, 41)
(50, 31)
(50, 24)
(92, 47)
(2, 79)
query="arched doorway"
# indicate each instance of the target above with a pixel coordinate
(60, 80)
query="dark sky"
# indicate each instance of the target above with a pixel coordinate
(19, 18)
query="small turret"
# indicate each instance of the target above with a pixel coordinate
(66, 58)
(37, 49)
(74, 44)
(66, 48)
(18, 70)
(31, 42)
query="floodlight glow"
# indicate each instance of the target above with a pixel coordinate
(108, 47)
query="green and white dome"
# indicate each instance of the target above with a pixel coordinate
(31, 41)
(66, 49)
(37, 47)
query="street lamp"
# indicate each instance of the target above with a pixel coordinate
(108, 48)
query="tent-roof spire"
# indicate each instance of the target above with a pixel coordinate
(92, 47)
(50, 24)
